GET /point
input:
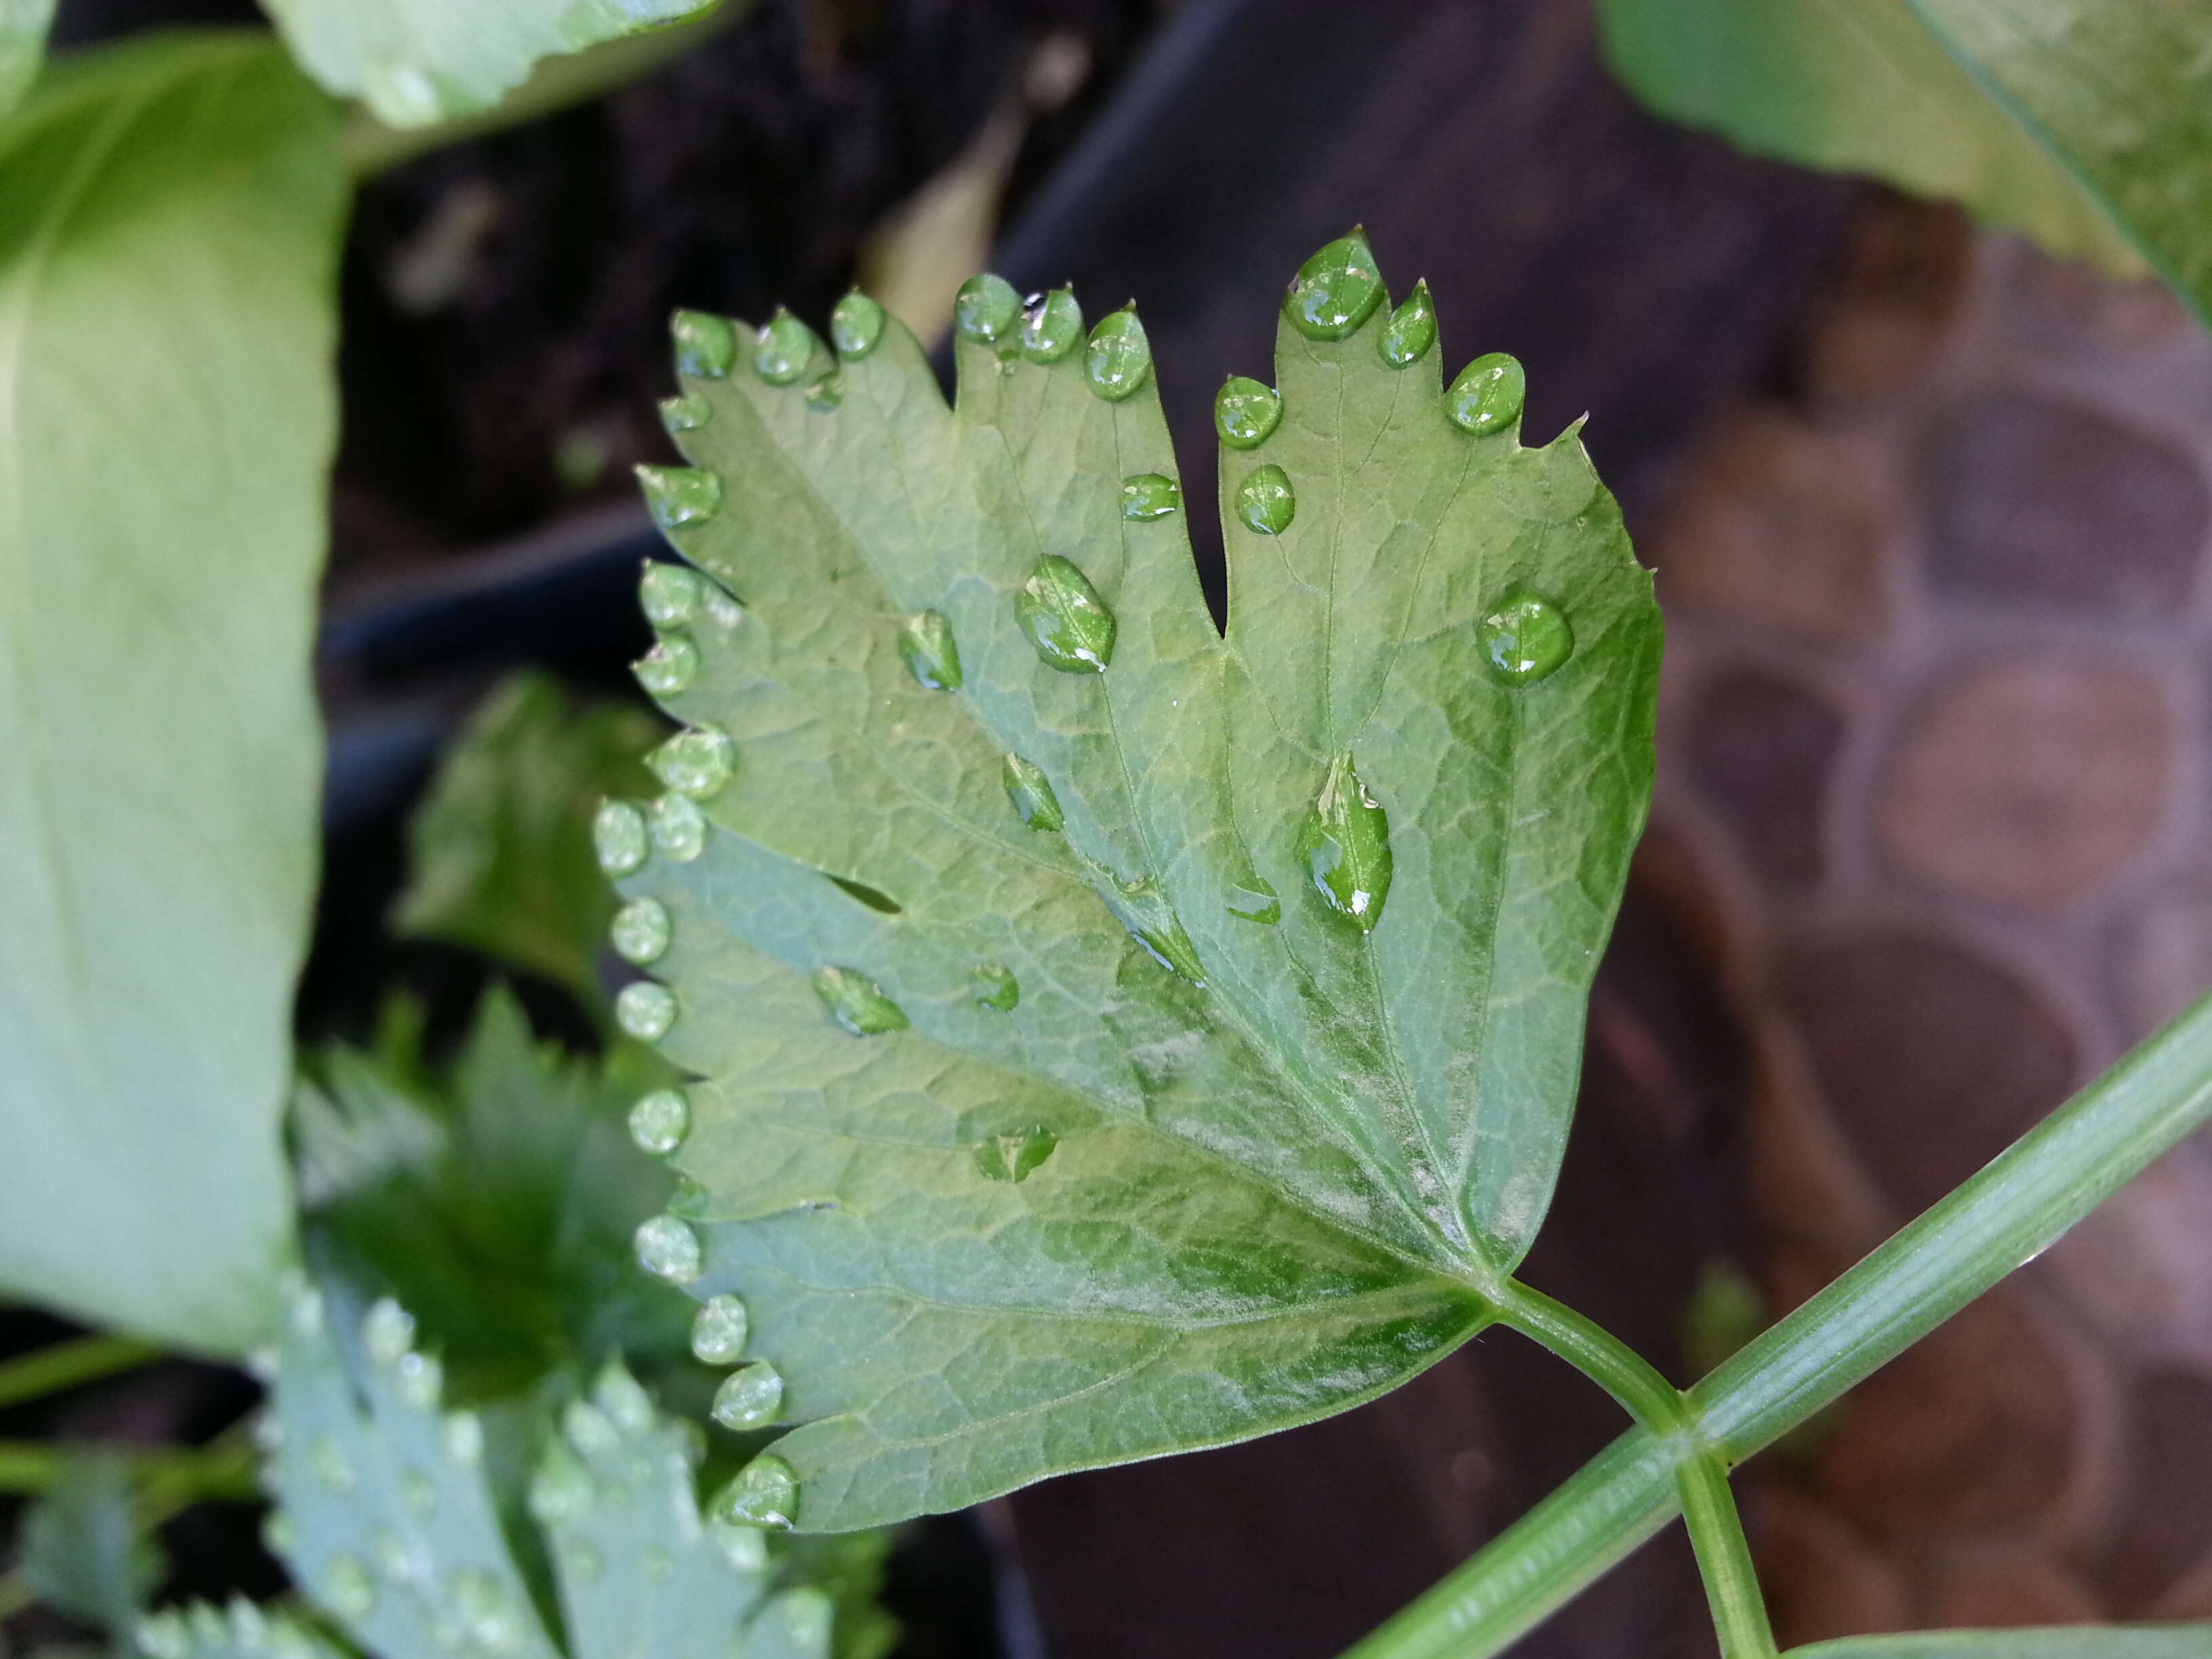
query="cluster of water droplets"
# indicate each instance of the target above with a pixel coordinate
(240, 1627)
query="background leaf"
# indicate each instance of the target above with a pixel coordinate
(242, 1631)
(2072, 1642)
(84, 1549)
(169, 215)
(23, 25)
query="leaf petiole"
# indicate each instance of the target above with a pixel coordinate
(68, 1364)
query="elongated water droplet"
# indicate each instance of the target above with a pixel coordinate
(1148, 495)
(420, 1381)
(668, 1249)
(995, 987)
(764, 1493)
(1052, 326)
(1527, 638)
(645, 1010)
(857, 1002)
(985, 310)
(1119, 358)
(488, 1611)
(618, 836)
(419, 1492)
(668, 594)
(750, 1397)
(670, 667)
(1334, 291)
(1487, 394)
(1031, 791)
(1253, 900)
(462, 1434)
(856, 322)
(1014, 1155)
(705, 346)
(699, 763)
(720, 1330)
(327, 1461)
(1170, 946)
(641, 931)
(1346, 846)
(659, 1121)
(347, 1586)
(1266, 503)
(680, 496)
(1065, 618)
(387, 1331)
(783, 348)
(1246, 412)
(687, 413)
(932, 654)
(1412, 330)
(678, 827)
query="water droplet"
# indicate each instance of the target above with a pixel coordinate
(1334, 291)
(487, 1611)
(350, 1590)
(641, 930)
(745, 1548)
(645, 1010)
(699, 763)
(668, 1249)
(327, 1461)
(689, 1199)
(750, 1397)
(1412, 330)
(618, 836)
(1253, 899)
(1487, 395)
(307, 1312)
(561, 1489)
(1170, 946)
(857, 1002)
(387, 1331)
(1065, 618)
(590, 1430)
(279, 1534)
(1012, 1156)
(680, 495)
(984, 309)
(418, 1491)
(932, 654)
(678, 827)
(669, 667)
(720, 1330)
(1052, 326)
(261, 1363)
(687, 413)
(659, 1121)
(420, 1381)
(1148, 495)
(705, 346)
(1031, 791)
(463, 1434)
(396, 1559)
(206, 1625)
(1245, 412)
(1119, 358)
(163, 1636)
(856, 324)
(764, 1493)
(995, 987)
(668, 594)
(1346, 845)
(826, 394)
(783, 348)
(1266, 503)
(267, 1433)
(582, 1561)
(805, 1614)
(660, 1566)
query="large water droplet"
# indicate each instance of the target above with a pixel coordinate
(1253, 900)
(659, 1121)
(750, 1397)
(699, 763)
(488, 1611)
(645, 1010)
(984, 309)
(1031, 791)
(618, 836)
(561, 1489)
(1014, 1155)
(932, 654)
(1266, 503)
(678, 827)
(670, 667)
(1412, 330)
(348, 1588)
(720, 1331)
(420, 1381)
(1487, 394)
(641, 931)
(670, 594)
(995, 987)
(857, 1002)
(462, 1433)
(1526, 638)
(1148, 495)
(856, 324)
(1334, 291)
(680, 496)
(669, 1248)
(687, 413)
(327, 1461)
(1119, 358)
(1065, 618)
(705, 346)
(387, 1331)
(783, 348)
(764, 1493)
(1052, 326)
(1346, 846)
(1245, 412)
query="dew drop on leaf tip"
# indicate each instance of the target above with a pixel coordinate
(856, 324)
(783, 348)
(668, 1249)
(645, 1010)
(678, 827)
(720, 1330)
(751, 1397)
(1246, 412)
(680, 497)
(660, 1121)
(1118, 360)
(619, 838)
(687, 413)
(701, 762)
(986, 309)
(1335, 291)
(764, 1493)
(670, 667)
(1052, 326)
(706, 345)
(641, 931)
(1411, 331)
(668, 594)
(1486, 395)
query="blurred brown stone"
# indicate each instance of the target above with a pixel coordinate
(2007, 1589)
(1823, 1580)
(2166, 1528)
(2162, 954)
(1885, 312)
(1760, 749)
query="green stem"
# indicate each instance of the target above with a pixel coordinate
(66, 1364)
(174, 1476)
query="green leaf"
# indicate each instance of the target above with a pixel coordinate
(169, 219)
(84, 1550)
(1859, 86)
(418, 61)
(23, 25)
(2120, 91)
(2070, 1642)
(243, 1631)
(502, 845)
(1174, 1140)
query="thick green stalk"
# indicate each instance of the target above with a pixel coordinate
(177, 1476)
(2005, 1215)
(66, 1364)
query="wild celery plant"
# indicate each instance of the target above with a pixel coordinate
(1114, 1038)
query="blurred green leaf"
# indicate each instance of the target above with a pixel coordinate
(243, 1631)
(23, 25)
(2071, 1641)
(85, 1550)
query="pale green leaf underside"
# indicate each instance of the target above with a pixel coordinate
(1265, 1198)
(243, 1631)
(417, 61)
(169, 216)
(2071, 1641)
(1859, 86)
(23, 25)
